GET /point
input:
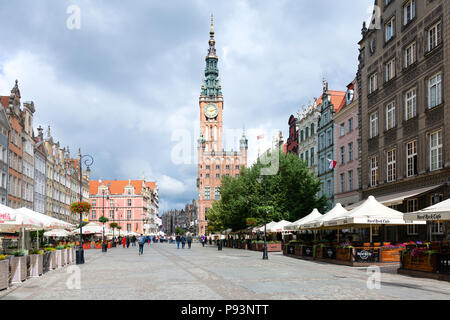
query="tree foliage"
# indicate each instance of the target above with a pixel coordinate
(290, 194)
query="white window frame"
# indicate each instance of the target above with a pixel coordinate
(390, 115)
(373, 82)
(410, 103)
(342, 127)
(410, 54)
(391, 165)
(389, 70)
(342, 177)
(436, 154)
(374, 171)
(373, 127)
(389, 29)
(435, 82)
(434, 36)
(409, 8)
(411, 158)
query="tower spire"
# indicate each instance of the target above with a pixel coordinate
(211, 85)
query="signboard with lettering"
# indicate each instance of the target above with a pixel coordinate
(7, 216)
(366, 255)
(291, 250)
(329, 252)
(307, 251)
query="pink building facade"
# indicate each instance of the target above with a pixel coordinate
(346, 151)
(132, 204)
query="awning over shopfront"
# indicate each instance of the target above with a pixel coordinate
(398, 198)
(437, 212)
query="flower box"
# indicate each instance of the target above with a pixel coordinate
(18, 269)
(36, 265)
(53, 260)
(298, 250)
(46, 262)
(59, 258)
(98, 246)
(4, 274)
(367, 255)
(421, 262)
(391, 255)
(86, 245)
(318, 252)
(70, 255)
(344, 254)
(273, 247)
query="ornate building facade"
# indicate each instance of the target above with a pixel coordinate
(213, 161)
(129, 203)
(307, 126)
(403, 77)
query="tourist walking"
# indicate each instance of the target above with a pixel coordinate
(133, 241)
(128, 241)
(124, 241)
(189, 240)
(141, 242)
(148, 240)
(183, 241)
(203, 240)
(178, 239)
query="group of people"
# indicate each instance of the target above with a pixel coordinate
(181, 239)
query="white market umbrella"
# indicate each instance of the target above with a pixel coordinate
(90, 228)
(57, 233)
(438, 212)
(337, 212)
(268, 226)
(279, 226)
(315, 214)
(48, 222)
(371, 212)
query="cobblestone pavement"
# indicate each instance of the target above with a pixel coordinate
(165, 272)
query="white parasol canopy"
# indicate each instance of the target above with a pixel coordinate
(315, 214)
(335, 213)
(371, 212)
(279, 226)
(91, 228)
(11, 220)
(438, 212)
(57, 233)
(268, 226)
(47, 221)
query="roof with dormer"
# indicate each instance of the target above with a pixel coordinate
(118, 186)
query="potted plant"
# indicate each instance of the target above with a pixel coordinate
(4, 272)
(113, 225)
(69, 253)
(19, 266)
(104, 220)
(60, 256)
(52, 260)
(36, 263)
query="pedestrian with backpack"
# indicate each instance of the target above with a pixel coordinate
(178, 239)
(141, 242)
(189, 240)
(183, 241)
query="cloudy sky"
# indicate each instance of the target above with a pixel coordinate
(125, 86)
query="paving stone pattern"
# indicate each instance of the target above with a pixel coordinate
(166, 273)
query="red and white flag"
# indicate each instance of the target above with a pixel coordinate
(260, 137)
(332, 164)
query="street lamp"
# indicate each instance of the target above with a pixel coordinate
(88, 162)
(265, 255)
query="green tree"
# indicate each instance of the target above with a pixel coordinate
(179, 230)
(290, 195)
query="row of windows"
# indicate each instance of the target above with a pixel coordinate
(207, 193)
(112, 214)
(350, 153)
(350, 182)
(349, 129)
(410, 105)
(326, 139)
(304, 135)
(207, 176)
(308, 157)
(435, 160)
(111, 203)
(227, 167)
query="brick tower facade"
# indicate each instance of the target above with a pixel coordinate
(213, 161)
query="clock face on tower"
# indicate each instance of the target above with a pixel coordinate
(211, 111)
